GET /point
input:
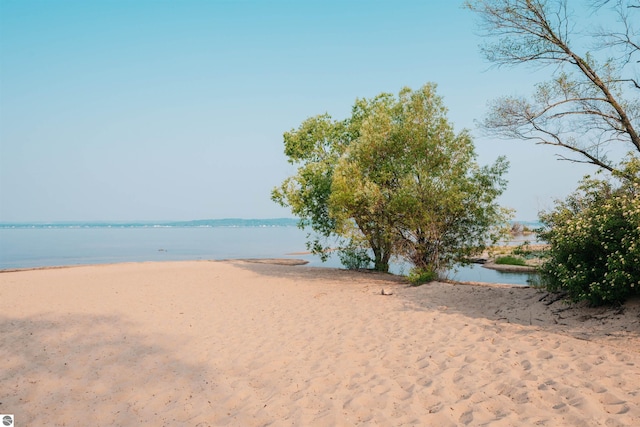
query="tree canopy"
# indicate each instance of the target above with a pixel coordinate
(395, 178)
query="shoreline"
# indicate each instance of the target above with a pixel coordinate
(275, 261)
(510, 268)
(291, 262)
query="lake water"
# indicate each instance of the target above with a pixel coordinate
(58, 244)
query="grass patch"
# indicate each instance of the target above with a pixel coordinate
(510, 260)
(527, 251)
(419, 276)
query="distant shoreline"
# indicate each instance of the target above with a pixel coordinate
(200, 223)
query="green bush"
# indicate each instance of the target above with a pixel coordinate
(595, 241)
(354, 258)
(510, 260)
(525, 251)
(522, 249)
(420, 276)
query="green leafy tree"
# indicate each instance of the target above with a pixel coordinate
(394, 178)
(315, 147)
(592, 104)
(595, 241)
(412, 187)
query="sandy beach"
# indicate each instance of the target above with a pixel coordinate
(235, 343)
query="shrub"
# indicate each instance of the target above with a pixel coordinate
(522, 249)
(527, 252)
(595, 241)
(510, 260)
(420, 276)
(354, 258)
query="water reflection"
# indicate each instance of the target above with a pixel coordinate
(468, 273)
(477, 273)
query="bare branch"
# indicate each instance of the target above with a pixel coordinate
(590, 103)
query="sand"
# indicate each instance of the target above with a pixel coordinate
(248, 344)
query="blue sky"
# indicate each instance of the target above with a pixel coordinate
(174, 110)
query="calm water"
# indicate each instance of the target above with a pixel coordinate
(69, 244)
(38, 245)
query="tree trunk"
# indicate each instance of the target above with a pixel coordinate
(381, 258)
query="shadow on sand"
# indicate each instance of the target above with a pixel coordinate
(57, 370)
(502, 304)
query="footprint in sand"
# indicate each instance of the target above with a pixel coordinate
(435, 408)
(584, 367)
(569, 394)
(466, 417)
(543, 354)
(596, 388)
(613, 404)
(424, 382)
(297, 396)
(546, 385)
(559, 406)
(423, 362)
(623, 357)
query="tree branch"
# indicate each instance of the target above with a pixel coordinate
(536, 31)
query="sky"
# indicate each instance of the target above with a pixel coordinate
(174, 110)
